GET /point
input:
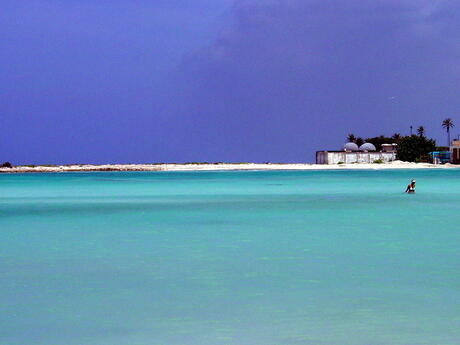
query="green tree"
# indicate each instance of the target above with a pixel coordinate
(448, 124)
(415, 148)
(359, 141)
(378, 141)
(421, 131)
(351, 138)
(396, 137)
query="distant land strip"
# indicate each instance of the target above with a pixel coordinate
(216, 167)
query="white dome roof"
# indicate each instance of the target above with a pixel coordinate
(350, 147)
(367, 147)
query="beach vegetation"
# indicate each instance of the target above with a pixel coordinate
(351, 138)
(442, 148)
(423, 159)
(448, 124)
(421, 131)
(411, 148)
(381, 139)
(415, 148)
(197, 163)
(339, 163)
(396, 137)
(378, 161)
(6, 165)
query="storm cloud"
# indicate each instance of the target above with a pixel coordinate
(220, 80)
(287, 78)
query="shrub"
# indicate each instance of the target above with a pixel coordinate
(6, 165)
(442, 148)
(341, 163)
(423, 159)
(415, 148)
(378, 161)
(378, 141)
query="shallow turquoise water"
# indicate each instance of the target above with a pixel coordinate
(230, 258)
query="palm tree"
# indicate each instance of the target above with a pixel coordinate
(421, 131)
(447, 124)
(396, 136)
(351, 138)
(359, 141)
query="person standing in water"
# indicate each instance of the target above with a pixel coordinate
(411, 187)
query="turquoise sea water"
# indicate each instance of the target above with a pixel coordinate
(230, 258)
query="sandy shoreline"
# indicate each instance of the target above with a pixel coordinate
(220, 166)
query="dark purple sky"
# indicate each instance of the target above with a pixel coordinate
(220, 80)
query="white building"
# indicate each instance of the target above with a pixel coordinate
(366, 153)
(455, 152)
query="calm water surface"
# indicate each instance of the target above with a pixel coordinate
(230, 258)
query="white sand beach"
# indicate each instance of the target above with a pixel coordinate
(220, 166)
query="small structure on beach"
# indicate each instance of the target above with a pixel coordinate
(450, 156)
(350, 147)
(454, 150)
(351, 153)
(440, 157)
(389, 147)
(367, 147)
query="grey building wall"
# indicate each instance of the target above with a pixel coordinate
(331, 157)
